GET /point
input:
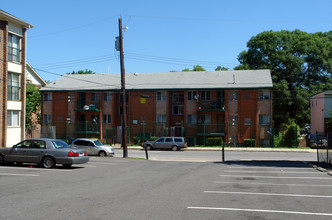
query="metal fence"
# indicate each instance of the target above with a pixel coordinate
(236, 135)
(324, 150)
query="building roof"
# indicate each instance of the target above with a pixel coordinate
(11, 18)
(33, 76)
(239, 79)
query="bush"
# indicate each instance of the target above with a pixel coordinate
(249, 143)
(288, 137)
(215, 142)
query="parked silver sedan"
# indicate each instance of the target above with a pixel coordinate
(44, 151)
(93, 147)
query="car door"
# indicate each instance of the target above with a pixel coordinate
(168, 142)
(159, 143)
(18, 152)
(35, 151)
(88, 146)
(92, 148)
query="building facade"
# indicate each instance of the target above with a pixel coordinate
(13, 77)
(320, 109)
(233, 105)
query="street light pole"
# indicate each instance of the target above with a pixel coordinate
(123, 90)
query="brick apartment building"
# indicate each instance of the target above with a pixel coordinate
(12, 78)
(234, 105)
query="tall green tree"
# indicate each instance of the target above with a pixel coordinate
(33, 103)
(82, 72)
(300, 65)
(195, 68)
(221, 68)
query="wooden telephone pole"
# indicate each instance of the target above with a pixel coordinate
(123, 90)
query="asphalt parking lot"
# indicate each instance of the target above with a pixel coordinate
(118, 188)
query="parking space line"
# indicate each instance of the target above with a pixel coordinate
(261, 210)
(279, 177)
(260, 171)
(278, 168)
(17, 174)
(28, 168)
(272, 184)
(269, 194)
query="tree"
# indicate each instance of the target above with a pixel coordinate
(33, 100)
(221, 68)
(82, 72)
(300, 65)
(195, 68)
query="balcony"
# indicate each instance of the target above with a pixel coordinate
(84, 127)
(88, 107)
(211, 106)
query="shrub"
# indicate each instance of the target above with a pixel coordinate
(215, 142)
(249, 143)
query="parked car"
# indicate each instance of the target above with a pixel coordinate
(93, 147)
(173, 143)
(44, 151)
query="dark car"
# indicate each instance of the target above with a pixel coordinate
(173, 143)
(44, 151)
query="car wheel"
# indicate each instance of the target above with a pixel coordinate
(66, 165)
(174, 148)
(102, 154)
(48, 162)
(1, 160)
(148, 147)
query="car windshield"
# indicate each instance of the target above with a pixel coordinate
(60, 144)
(98, 143)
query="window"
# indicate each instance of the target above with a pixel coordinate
(121, 98)
(120, 110)
(191, 96)
(191, 119)
(107, 119)
(234, 120)
(246, 95)
(161, 96)
(46, 118)
(47, 97)
(161, 140)
(264, 119)
(14, 48)
(205, 119)
(94, 97)
(178, 140)
(169, 140)
(247, 121)
(263, 95)
(178, 110)
(235, 95)
(14, 88)
(205, 95)
(160, 119)
(107, 96)
(95, 119)
(178, 98)
(13, 118)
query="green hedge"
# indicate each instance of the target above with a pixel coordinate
(215, 142)
(249, 142)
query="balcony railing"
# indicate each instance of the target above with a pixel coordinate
(210, 106)
(14, 54)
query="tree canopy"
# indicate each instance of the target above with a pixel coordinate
(82, 72)
(33, 100)
(300, 65)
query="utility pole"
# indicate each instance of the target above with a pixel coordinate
(123, 90)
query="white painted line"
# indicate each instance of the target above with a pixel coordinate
(261, 210)
(279, 177)
(278, 168)
(272, 184)
(33, 168)
(260, 171)
(101, 163)
(269, 194)
(16, 174)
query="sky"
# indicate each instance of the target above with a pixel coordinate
(162, 36)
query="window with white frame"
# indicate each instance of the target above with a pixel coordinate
(161, 96)
(264, 119)
(107, 96)
(14, 48)
(13, 118)
(263, 95)
(178, 110)
(205, 95)
(191, 119)
(160, 119)
(177, 98)
(107, 119)
(191, 95)
(14, 86)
